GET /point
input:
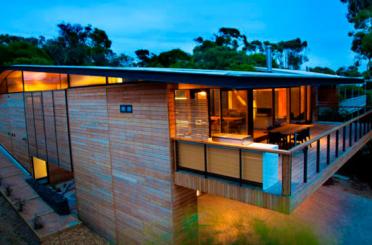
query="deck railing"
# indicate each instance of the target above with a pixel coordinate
(315, 155)
(296, 167)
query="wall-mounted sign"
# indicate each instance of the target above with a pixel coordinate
(126, 109)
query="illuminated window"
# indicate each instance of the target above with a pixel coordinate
(113, 80)
(262, 108)
(191, 109)
(3, 85)
(80, 80)
(233, 119)
(14, 82)
(40, 168)
(281, 105)
(40, 81)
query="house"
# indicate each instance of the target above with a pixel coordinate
(140, 143)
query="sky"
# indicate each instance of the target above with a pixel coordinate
(160, 25)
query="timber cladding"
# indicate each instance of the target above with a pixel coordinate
(122, 162)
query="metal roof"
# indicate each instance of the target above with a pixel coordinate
(221, 78)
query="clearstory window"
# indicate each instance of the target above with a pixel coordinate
(14, 82)
(40, 81)
(80, 80)
(113, 80)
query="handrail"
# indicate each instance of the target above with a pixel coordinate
(328, 132)
(233, 146)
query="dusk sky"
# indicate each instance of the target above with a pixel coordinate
(162, 25)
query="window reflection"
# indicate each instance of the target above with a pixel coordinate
(234, 111)
(14, 82)
(262, 109)
(40, 81)
(113, 80)
(281, 106)
(80, 80)
(191, 109)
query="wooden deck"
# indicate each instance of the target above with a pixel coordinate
(14, 177)
(303, 176)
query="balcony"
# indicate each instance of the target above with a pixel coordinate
(262, 174)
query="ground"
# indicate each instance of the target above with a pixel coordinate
(338, 213)
(13, 230)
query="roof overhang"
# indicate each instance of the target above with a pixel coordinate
(220, 78)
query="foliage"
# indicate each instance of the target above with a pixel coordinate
(19, 50)
(247, 232)
(350, 71)
(360, 15)
(324, 70)
(75, 45)
(227, 49)
(78, 45)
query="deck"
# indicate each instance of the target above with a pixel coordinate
(301, 169)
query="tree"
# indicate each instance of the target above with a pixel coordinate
(360, 15)
(350, 71)
(20, 50)
(78, 45)
(324, 70)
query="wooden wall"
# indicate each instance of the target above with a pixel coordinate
(48, 133)
(13, 133)
(89, 129)
(122, 162)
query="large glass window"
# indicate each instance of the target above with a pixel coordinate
(234, 111)
(228, 111)
(80, 80)
(191, 108)
(298, 103)
(40, 81)
(281, 106)
(262, 109)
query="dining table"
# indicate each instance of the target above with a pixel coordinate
(290, 129)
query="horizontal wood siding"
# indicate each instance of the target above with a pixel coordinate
(5, 128)
(141, 168)
(233, 191)
(62, 131)
(91, 157)
(13, 132)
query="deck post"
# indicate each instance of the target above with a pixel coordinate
(337, 138)
(328, 149)
(305, 163)
(286, 174)
(343, 138)
(318, 156)
(205, 162)
(350, 134)
(240, 168)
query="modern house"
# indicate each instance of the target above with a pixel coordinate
(140, 143)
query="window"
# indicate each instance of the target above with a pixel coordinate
(113, 80)
(14, 82)
(40, 81)
(80, 80)
(262, 108)
(191, 110)
(228, 111)
(234, 111)
(281, 105)
(40, 168)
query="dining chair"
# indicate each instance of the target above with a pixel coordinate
(277, 138)
(302, 136)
